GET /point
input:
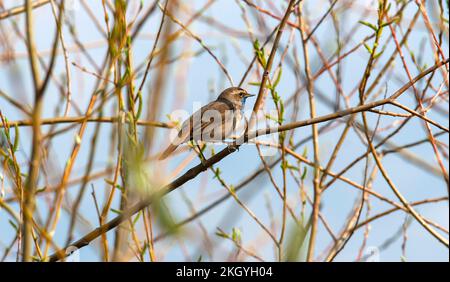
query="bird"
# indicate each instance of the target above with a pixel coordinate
(215, 121)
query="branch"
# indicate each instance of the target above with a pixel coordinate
(81, 119)
(21, 9)
(196, 170)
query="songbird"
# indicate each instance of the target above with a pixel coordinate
(215, 121)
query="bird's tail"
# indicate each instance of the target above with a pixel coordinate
(167, 152)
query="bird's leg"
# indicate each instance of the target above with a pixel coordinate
(233, 147)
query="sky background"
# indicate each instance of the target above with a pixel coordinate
(199, 80)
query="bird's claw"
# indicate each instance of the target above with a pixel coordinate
(233, 148)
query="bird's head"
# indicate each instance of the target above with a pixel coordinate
(235, 95)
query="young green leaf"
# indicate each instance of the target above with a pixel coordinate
(373, 27)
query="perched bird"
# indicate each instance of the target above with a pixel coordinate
(214, 122)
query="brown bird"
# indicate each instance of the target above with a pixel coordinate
(215, 121)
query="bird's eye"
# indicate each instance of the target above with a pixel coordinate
(241, 94)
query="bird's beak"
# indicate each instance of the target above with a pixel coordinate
(247, 95)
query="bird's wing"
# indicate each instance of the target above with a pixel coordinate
(202, 121)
